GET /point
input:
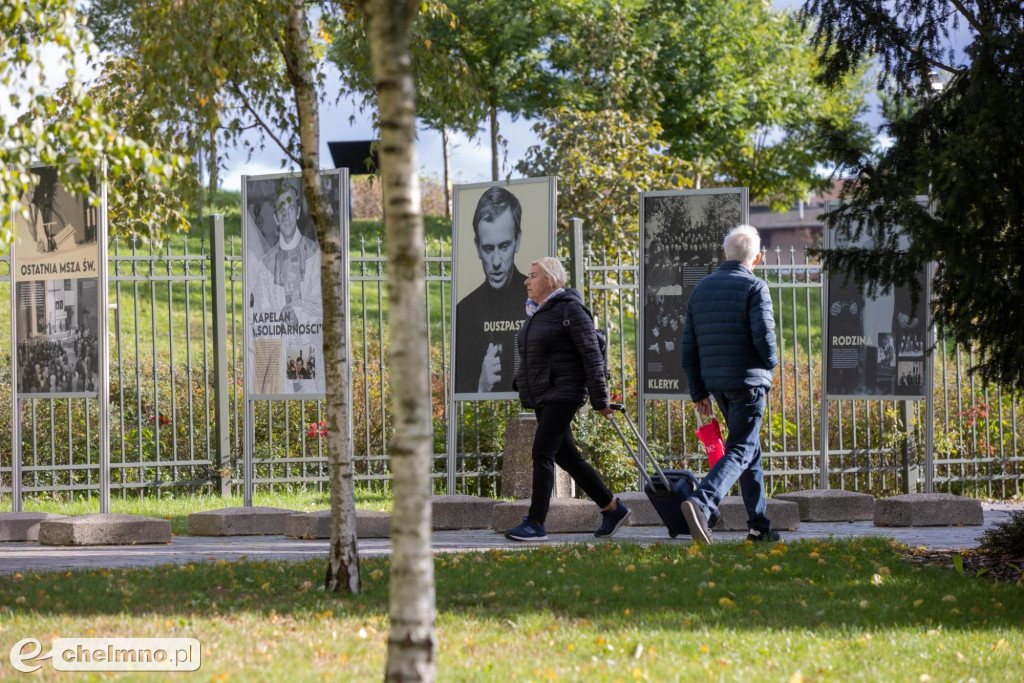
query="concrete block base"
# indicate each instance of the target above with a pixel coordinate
(373, 524)
(462, 512)
(109, 529)
(643, 513)
(22, 526)
(784, 515)
(566, 516)
(315, 525)
(517, 461)
(239, 521)
(928, 509)
(831, 505)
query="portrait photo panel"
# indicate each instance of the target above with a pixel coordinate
(681, 235)
(283, 300)
(499, 229)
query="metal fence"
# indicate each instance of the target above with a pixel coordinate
(176, 393)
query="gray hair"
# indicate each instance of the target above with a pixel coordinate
(742, 244)
(553, 269)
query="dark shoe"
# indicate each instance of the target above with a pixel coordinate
(612, 520)
(770, 536)
(697, 522)
(527, 531)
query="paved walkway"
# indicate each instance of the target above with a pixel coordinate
(20, 557)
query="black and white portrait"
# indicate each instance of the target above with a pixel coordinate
(499, 229)
(283, 300)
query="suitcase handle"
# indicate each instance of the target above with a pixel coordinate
(645, 452)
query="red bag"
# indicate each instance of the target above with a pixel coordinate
(710, 436)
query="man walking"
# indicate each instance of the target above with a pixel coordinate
(728, 351)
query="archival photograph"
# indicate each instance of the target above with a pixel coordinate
(284, 310)
(499, 229)
(874, 345)
(57, 300)
(57, 337)
(681, 234)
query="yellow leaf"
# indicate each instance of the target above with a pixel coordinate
(949, 598)
(726, 602)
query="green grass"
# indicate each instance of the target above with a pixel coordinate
(813, 610)
(178, 509)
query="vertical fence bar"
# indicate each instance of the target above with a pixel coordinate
(15, 400)
(221, 415)
(576, 252)
(103, 321)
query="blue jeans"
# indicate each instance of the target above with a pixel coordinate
(743, 411)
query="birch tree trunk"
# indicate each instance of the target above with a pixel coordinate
(412, 644)
(494, 142)
(343, 558)
(446, 149)
(214, 166)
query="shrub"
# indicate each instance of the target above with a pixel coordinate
(1006, 538)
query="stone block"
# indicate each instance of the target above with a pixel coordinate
(517, 463)
(314, 525)
(566, 515)
(239, 521)
(785, 516)
(373, 524)
(462, 512)
(928, 509)
(22, 526)
(643, 512)
(831, 505)
(104, 529)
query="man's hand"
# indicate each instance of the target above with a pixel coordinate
(607, 412)
(490, 369)
(703, 407)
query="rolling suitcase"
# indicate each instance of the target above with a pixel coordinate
(666, 489)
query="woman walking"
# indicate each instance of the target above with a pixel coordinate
(560, 363)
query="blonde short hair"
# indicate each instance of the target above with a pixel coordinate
(553, 270)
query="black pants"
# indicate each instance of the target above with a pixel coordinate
(552, 444)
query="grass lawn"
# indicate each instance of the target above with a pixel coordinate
(178, 509)
(810, 610)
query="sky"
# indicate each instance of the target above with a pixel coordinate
(470, 162)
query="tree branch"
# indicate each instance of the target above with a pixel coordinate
(262, 124)
(971, 19)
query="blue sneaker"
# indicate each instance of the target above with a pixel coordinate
(527, 531)
(612, 520)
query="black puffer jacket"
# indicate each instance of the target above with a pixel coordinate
(560, 362)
